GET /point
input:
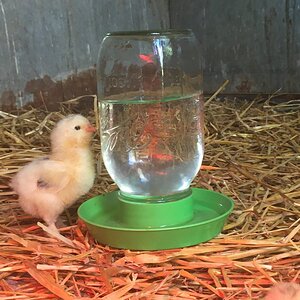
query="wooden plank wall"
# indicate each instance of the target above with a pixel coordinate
(253, 43)
(48, 49)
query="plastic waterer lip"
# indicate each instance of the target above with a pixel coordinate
(174, 227)
(210, 211)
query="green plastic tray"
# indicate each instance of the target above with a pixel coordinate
(103, 216)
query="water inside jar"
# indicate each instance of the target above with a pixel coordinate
(152, 148)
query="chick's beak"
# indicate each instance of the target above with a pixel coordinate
(90, 128)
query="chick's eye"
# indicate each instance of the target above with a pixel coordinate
(77, 127)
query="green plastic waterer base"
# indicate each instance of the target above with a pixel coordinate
(138, 225)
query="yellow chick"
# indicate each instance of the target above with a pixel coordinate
(47, 186)
(284, 291)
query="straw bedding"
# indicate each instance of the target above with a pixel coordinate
(255, 146)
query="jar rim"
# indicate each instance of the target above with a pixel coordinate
(153, 32)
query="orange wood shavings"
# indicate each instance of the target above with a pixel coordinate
(46, 280)
(251, 155)
(209, 168)
(202, 282)
(122, 291)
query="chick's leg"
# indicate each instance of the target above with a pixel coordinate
(53, 228)
(50, 219)
(50, 207)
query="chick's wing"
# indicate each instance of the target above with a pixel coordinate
(53, 175)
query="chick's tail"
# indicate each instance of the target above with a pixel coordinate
(25, 181)
(42, 204)
(37, 201)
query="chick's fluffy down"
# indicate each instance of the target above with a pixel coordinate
(284, 291)
(47, 186)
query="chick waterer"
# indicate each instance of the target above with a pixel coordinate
(151, 115)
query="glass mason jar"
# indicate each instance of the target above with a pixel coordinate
(151, 111)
